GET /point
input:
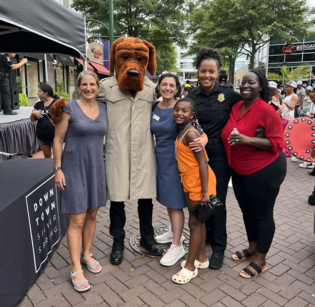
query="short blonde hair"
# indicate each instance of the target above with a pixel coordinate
(87, 73)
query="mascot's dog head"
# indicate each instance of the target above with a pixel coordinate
(131, 57)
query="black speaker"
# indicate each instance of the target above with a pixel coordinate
(223, 79)
(15, 98)
(12, 78)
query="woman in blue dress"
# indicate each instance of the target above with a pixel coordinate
(80, 173)
(169, 188)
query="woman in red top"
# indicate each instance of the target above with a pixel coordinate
(258, 165)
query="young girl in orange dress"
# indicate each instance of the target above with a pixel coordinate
(199, 183)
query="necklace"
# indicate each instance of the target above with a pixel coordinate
(87, 106)
(178, 139)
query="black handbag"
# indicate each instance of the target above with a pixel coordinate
(202, 213)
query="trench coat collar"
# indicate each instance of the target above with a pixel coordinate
(113, 83)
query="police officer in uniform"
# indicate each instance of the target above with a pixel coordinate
(214, 102)
(5, 68)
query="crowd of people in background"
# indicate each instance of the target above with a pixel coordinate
(218, 134)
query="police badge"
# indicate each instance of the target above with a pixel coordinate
(221, 97)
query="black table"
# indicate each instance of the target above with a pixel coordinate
(31, 225)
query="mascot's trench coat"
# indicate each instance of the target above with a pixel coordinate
(129, 147)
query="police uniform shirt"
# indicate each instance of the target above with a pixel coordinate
(5, 63)
(213, 110)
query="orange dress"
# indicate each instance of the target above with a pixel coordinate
(189, 169)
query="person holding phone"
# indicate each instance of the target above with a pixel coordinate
(254, 152)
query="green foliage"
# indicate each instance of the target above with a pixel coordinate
(137, 18)
(243, 26)
(23, 100)
(60, 87)
(287, 74)
(64, 94)
(19, 84)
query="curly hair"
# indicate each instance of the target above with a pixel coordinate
(265, 93)
(208, 54)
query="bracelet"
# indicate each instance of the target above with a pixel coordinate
(204, 194)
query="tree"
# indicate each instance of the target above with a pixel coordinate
(211, 23)
(138, 18)
(252, 24)
(294, 74)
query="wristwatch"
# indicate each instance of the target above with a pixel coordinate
(56, 168)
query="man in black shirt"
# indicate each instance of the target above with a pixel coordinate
(6, 66)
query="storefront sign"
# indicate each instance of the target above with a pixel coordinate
(97, 54)
(310, 46)
(43, 218)
(288, 49)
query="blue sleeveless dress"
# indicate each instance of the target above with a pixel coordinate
(82, 160)
(169, 187)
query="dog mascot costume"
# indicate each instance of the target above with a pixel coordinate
(129, 149)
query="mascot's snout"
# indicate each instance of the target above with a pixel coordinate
(130, 58)
(132, 73)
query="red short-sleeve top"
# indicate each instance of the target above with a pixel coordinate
(246, 159)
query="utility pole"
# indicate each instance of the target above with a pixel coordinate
(111, 23)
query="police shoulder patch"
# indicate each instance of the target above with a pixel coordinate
(8, 59)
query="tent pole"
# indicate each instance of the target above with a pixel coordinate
(46, 70)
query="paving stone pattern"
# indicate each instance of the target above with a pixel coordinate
(142, 281)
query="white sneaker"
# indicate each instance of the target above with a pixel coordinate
(230, 184)
(167, 237)
(294, 159)
(307, 165)
(173, 254)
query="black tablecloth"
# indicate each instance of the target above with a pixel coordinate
(31, 225)
(18, 137)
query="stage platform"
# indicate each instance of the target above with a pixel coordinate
(23, 113)
(18, 134)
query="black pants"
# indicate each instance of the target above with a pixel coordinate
(5, 96)
(296, 114)
(118, 219)
(216, 225)
(256, 194)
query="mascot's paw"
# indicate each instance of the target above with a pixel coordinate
(56, 110)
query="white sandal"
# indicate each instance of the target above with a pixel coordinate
(198, 265)
(184, 276)
(92, 266)
(78, 284)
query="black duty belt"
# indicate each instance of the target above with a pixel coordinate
(4, 74)
(213, 141)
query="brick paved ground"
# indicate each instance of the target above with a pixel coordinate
(141, 281)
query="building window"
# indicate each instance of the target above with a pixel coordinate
(293, 58)
(276, 59)
(181, 65)
(308, 57)
(275, 50)
(60, 1)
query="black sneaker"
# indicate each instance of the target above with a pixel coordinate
(216, 261)
(12, 113)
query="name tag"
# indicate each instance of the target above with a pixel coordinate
(157, 118)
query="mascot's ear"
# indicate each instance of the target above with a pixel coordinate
(152, 61)
(56, 110)
(112, 54)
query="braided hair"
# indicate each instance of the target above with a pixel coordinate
(208, 54)
(194, 121)
(265, 93)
